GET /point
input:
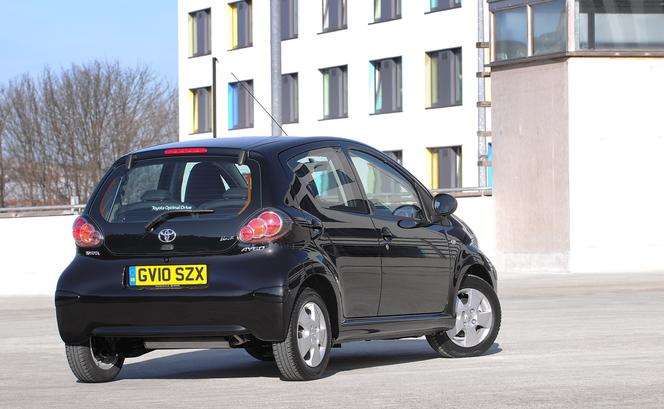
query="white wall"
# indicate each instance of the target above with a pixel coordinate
(35, 250)
(412, 130)
(479, 214)
(578, 165)
(616, 142)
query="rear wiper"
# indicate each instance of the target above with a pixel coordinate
(174, 213)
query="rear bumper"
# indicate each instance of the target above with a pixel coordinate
(92, 299)
(165, 316)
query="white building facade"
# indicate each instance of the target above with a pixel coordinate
(398, 75)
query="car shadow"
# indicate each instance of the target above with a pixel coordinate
(224, 363)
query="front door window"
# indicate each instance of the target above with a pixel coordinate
(389, 193)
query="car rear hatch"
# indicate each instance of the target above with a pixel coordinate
(177, 202)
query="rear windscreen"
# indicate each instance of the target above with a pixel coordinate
(155, 186)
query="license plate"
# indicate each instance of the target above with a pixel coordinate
(168, 276)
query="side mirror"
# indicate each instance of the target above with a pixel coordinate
(444, 204)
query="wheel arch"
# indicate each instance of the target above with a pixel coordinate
(324, 288)
(474, 264)
(478, 271)
(320, 279)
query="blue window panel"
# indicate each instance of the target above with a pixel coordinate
(231, 108)
(233, 114)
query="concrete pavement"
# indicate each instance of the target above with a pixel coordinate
(566, 341)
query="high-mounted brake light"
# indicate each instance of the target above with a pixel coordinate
(184, 151)
(268, 226)
(85, 234)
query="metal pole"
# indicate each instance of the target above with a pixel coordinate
(481, 96)
(214, 96)
(275, 64)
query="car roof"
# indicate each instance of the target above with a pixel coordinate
(261, 144)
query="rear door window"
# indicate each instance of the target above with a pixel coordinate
(324, 175)
(154, 186)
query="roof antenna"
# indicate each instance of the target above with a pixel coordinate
(258, 102)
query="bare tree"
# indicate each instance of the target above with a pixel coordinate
(2, 152)
(63, 130)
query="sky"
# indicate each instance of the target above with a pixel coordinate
(58, 33)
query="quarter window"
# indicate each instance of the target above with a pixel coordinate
(323, 175)
(388, 192)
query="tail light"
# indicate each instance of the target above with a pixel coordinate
(85, 234)
(266, 227)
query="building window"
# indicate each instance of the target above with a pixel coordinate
(385, 10)
(445, 167)
(549, 27)
(199, 33)
(438, 5)
(240, 24)
(202, 109)
(240, 105)
(335, 92)
(289, 98)
(443, 78)
(288, 19)
(396, 155)
(489, 169)
(386, 81)
(620, 25)
(511, 33)
(334, 15)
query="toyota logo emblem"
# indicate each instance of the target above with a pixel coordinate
(166, 235)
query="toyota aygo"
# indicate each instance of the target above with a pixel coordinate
(285, 247)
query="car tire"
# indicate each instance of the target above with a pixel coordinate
(478, 317)
(261, 352)
(90, 367)
(305, 352)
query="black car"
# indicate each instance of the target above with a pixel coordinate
(282, 246)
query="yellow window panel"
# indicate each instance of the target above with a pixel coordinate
(232, 23)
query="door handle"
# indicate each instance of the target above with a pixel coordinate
(387, 235)
(316, 228)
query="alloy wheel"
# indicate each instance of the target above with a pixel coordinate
(311, 334)
(474, 318)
